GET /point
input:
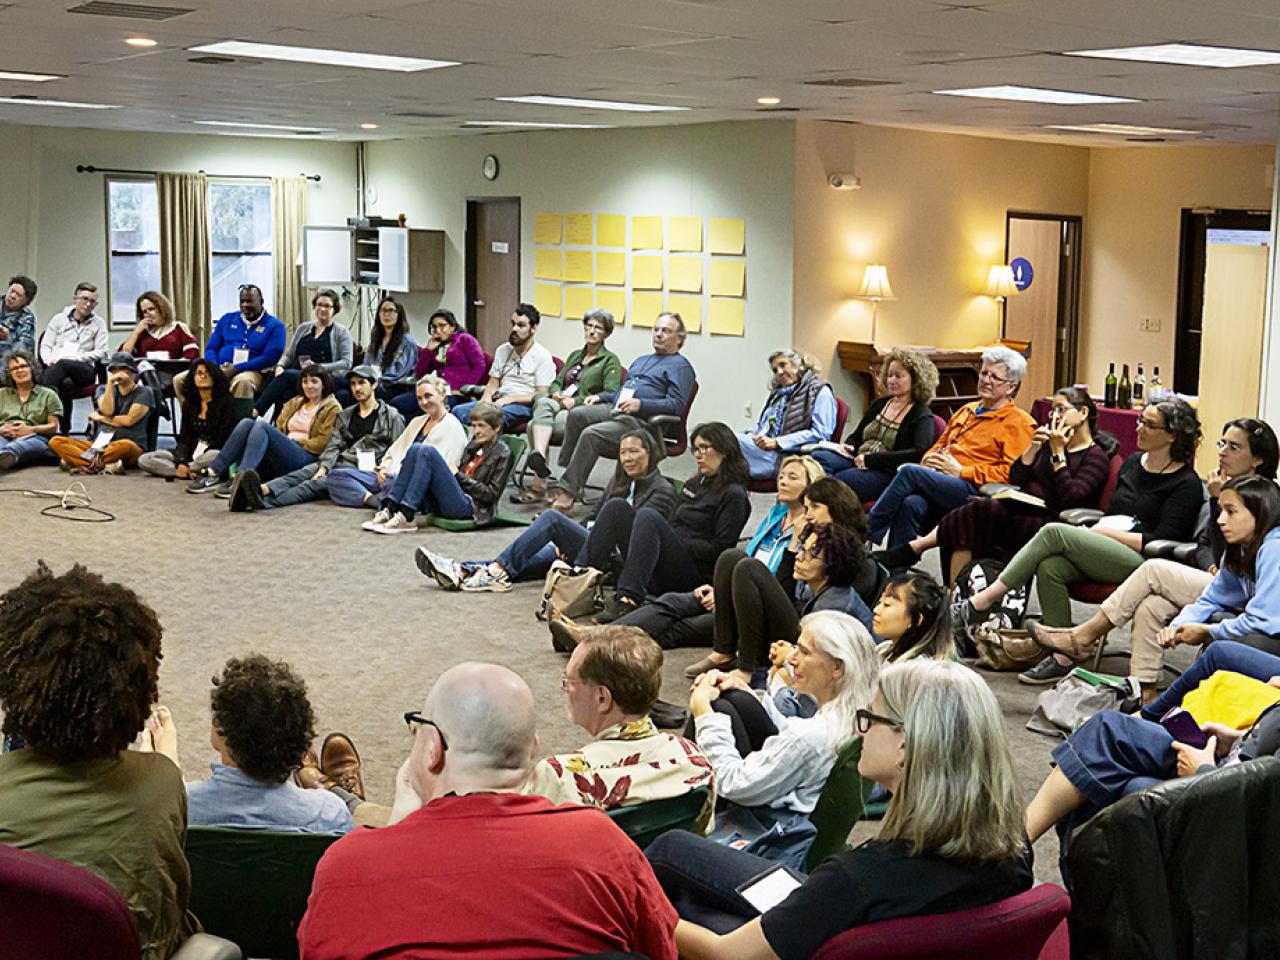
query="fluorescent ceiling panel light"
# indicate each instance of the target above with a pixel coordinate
(73, 104)
(144, 42)
(534, 123)
(1033, 95)
(1186, 54)
(318, 55)
(1122, 129)
(590, 104)
(29, 77)
(768, 101)
(262, 126)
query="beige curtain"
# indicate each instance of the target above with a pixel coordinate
(289, 213)
(184, 247)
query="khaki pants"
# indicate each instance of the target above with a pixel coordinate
(244, 384)
(1152, 596)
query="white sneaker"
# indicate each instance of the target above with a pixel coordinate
(446, 572)
(379, 518)
(397, 523)
(488, 579)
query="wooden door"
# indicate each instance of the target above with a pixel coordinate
(493, 267)
(1032, 314)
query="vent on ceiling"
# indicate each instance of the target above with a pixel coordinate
(131, 11)
(777, 109)
(849, 82)
(211, 59)
(422, 115)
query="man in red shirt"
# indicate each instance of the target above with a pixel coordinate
(470, 868)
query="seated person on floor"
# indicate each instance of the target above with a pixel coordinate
(70, 347)
(1065, 465)
(28, 413)
(427, 483)
(688, 618)
(17, 321)
(300, 434)
(433, 426)
(590, 371)
(522, 368)
(262, 724)
(897, 428)
(800, 410)
(1154, 594)
(558, 881)
(123, 407)
(451, 354)
(658, 555)
(657, 383)
(771, 766)
(80, 662)
(316, 343)
(392, 353)
(1157, 497)
(361, 434)
(246, 343)
(611, 682)
(208, 417)
(913, 619)
(552, 535)
(933, 730)
(981, 440)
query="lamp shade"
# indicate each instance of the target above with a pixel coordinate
(875, 283)
(1000, 282)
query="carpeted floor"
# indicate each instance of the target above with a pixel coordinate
(347, 608)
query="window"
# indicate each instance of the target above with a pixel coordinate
(134, 247)
(240, 252)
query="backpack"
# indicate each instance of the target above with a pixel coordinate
(1007, 614)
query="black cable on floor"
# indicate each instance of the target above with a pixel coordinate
(73, 500)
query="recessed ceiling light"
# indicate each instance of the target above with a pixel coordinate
(534, 123)
(140, 42)
(368, 126)
(73, 104)
(328, 58)
(29, 77)
(1033, 95)
(768, 101)
(262, 126)
(1122, 129)
(1188, 54)
(590, 104)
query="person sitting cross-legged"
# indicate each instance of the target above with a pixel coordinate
(208, 417)
(123, 407)
(29, 413)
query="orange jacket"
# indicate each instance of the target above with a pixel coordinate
(986, 444)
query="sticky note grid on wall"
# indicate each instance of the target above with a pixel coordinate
(638, 265)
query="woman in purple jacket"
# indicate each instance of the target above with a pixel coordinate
(452, 354)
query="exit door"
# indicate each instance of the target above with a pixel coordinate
(493, 267)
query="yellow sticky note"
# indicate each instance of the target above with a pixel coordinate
(685, 273)
(547, 263)
(646, 233)
(611, 230)
(611, 268)
(725, 317)
(690, 310)
(646, 273)
(728, 278)
(728, 236)
(645, 308)
(615, 301)
(577, 229)
(547, 297)
(578, 302)
(686, 234)
(546, 228)
(577, 266)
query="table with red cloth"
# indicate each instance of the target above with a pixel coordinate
(1121, 424)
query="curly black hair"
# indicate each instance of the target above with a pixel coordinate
(78, 663)
(843, 555)
(261, 711)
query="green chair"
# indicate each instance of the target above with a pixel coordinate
(251, 886)
(517, 447)
(840, 805)
(645, 822)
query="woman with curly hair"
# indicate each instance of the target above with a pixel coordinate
(78, 664)
(208, 417)
(897, 428)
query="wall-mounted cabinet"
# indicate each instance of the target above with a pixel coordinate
(400, 259)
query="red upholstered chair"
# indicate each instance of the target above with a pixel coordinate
(767, 484)
(1030, 926)
(1089, 591)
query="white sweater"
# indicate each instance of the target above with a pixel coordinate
(448, 436)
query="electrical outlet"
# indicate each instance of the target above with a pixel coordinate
(1149, 324)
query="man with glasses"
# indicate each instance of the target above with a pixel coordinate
(521, 368)
(28, 414)
(468, 866)
(658, 383)
(245, 343)
(72, 343)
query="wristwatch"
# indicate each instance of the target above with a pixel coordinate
(1058, 459)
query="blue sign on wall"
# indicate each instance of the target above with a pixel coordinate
(1022, 273)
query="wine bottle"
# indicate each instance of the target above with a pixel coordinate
(1109, 396)
(1155, 389)
(1124, 395)
(1139, 389)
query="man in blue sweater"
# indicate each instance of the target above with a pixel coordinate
(245, 343)
(659, 383)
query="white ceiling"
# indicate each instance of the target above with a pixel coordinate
(713, 56)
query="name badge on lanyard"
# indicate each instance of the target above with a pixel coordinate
(240, 355)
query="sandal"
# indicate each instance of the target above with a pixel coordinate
(528, 496)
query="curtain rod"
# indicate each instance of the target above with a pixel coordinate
(83, 168)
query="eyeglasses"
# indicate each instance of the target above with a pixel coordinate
(865, 719)
(701, 449)
(988, 375)
(1229, 445)
(1150, 424)
(567, 681)
(86, 299)
(417, 720)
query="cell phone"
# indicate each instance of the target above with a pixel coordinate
(1183, 728)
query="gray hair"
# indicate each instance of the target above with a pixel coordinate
(1014, 363)
(681, 332)
(487, 714)
(805, 361)
(843, 638)
(604, 317)
(18, 354)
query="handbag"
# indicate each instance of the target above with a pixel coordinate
(1006, 614)
(1080, 695)
(1004, 650)
(572, 591)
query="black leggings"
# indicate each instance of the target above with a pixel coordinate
(749, 721)
(654, 558)
(673, 620)
(752, 610)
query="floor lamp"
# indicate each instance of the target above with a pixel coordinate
(875, 287)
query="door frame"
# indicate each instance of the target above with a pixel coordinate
(469, 253)
(1069, 265)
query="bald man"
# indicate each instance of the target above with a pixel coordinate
(469, 866)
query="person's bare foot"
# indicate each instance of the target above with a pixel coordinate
(164, 732)
(1067, 641)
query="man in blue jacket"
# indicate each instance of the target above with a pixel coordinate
(657, 383)
(245, 343)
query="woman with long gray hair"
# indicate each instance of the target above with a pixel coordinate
(800, 410)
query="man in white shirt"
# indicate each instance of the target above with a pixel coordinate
(521, 368)
(73, 342)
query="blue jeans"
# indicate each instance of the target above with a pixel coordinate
(1113, 755)
(531, 554)
(867, 484)
(348, 486)
(700, 877)
(916, 497)
(762, 464)
(257, 445)
(426, 483)
(29, 450)
(512, 413)
(1219, 655)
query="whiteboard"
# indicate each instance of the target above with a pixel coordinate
(393, 258)
(326, 255)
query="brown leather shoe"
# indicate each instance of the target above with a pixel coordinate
(309, 776)
(341, 763)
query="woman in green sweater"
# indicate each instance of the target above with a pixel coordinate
(590, 370)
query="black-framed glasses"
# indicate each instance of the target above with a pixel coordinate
(865, 719)
(1151, 424)
(416, 720)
